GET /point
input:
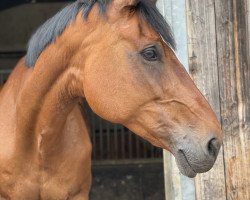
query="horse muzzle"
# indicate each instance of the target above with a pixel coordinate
(194, 157)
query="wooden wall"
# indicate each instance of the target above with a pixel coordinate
(219, 58)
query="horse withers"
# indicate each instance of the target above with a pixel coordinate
(118, 55)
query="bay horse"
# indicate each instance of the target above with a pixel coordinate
(118, 55)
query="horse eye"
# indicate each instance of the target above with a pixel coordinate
(150, 54)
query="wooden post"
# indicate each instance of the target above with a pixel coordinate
(234, 78)
(203, 68)
(248, 26)
(218, 33)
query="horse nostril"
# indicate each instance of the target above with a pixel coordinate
(213, 147)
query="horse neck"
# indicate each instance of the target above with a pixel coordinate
(48, 96)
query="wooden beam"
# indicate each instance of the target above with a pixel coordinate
(248, 29)
(203, 68)
(234, 78)
(169, 187)
(220, 65)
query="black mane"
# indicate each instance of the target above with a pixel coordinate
(52, 28)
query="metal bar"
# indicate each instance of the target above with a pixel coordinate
(130, 144)
(123, 143)
(137, 148)
(144, 149)
(115, 142)
(101, 138)
(152, 154)
(1, 79)
(93, 134)
(108, 141)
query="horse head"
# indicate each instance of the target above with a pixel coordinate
(121, 56)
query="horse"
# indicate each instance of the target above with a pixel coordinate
(119, 57)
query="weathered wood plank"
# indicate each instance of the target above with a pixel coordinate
(234, 78)
(231, 21)
(248, 27)
(169, 185)
(203, 69)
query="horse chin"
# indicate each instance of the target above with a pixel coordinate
(184, 166)
(182, 162)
